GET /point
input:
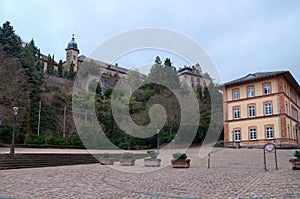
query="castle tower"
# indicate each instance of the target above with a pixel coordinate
(72, 52)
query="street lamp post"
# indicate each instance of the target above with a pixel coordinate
(233, 140)
(157, 140)
(12, 146)
(0, 126)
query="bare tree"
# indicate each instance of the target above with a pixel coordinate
(14, 88)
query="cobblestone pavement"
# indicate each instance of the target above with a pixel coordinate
(234, 173)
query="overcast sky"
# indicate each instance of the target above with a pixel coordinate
(240, 36)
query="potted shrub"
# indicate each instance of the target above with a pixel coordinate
(127, 159)
(152, 160)
(296, 161)
(106, 160)
(180, 161)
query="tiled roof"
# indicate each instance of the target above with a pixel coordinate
(266, 75)
(45, 58)
(188, 72)
(255, 76)
(58, 80)
(105, 65)
(81, 58)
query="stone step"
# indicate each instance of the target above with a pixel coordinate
(25, 160)
(16, 161)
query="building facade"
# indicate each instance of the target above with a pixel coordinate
(72, 53)
(193, 77)
(262, 108)
(110, 74)
(73, 57)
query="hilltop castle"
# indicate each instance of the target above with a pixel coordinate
(192, 76)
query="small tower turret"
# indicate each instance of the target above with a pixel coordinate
(72, 52)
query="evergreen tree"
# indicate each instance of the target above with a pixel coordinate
(28, 59)
(32, 65)
(34, 49)
(43, 63)
(98, 89)
(206, 95)
(35, 66)
(60, 68)
(164, 78)
(164, 75)
(199, 93)
(12, 43)
(50, 65)
(168, 62)
(29, 65)
(71, 71)
(65, 74)
(157, 60)
(40, 66)
(134, 77)
(39, 54)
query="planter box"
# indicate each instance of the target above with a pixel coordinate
(295, 163)
(181, 163)
(107, 161)
(152, 162)
(127, 162)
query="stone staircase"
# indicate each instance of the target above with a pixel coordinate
(32, 160)
(18, 161)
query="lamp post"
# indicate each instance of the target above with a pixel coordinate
(157, 131)
(0, 128)
(298, 132)
(12, 146)
(232, 133)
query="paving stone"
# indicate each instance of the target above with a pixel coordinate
(234, 173)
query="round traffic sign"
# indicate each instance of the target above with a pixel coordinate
(269, 147)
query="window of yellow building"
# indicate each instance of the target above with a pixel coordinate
(267, 88)
(237, 135)
(236, 112)
(236, 94)
(268, 108)
(250, 91)
(295, 113)
(252, 133)
(251, 110)
(269, 132)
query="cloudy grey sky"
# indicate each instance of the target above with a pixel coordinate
(240, 36)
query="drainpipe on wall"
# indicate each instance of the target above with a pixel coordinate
(228, 126)
(278, 109)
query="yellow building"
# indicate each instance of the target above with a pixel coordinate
(262, 108)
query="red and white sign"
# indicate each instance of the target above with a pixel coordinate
(269, 148)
